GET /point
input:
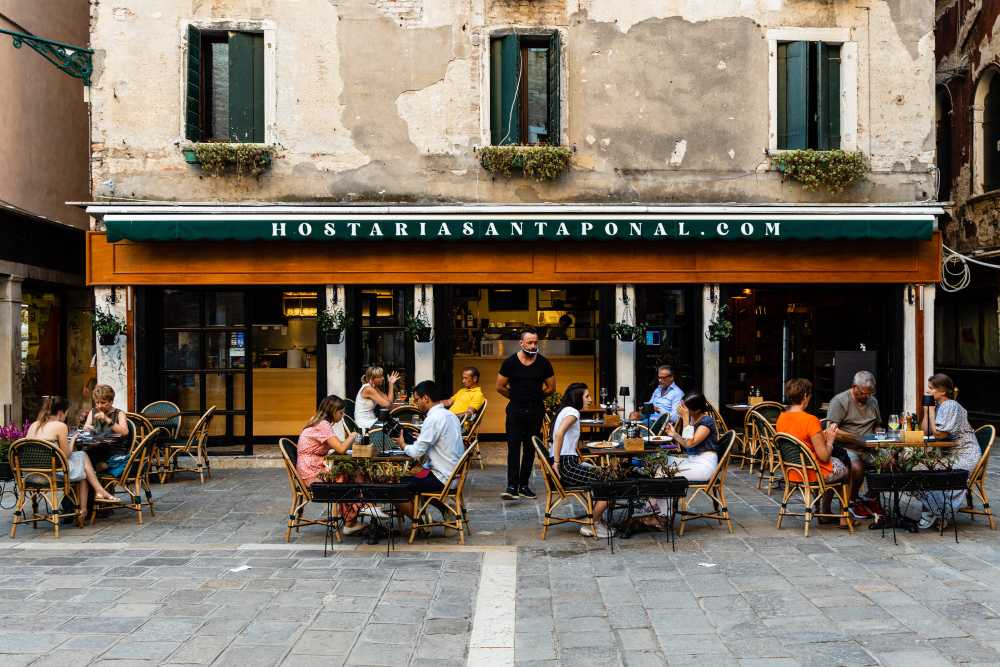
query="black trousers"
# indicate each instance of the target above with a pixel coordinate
(520, 450)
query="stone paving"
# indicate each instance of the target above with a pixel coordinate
(167, 593)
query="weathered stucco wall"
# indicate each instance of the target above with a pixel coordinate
(375, 100)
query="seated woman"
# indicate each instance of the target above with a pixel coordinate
(698, 438)
(565, 461)
(315, 442)
(948, 421)
(371, 395)
(806, 427)
(50, 425)
(106, 418)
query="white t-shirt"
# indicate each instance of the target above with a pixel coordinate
(364, 410)
(572, 435)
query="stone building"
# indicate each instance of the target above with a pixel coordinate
(45, 342)
(368, 120)
(968, 136)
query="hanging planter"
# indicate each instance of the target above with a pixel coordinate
(107, 326)
(332, 323)
(627, 333)
(418, 328)
(719, 328)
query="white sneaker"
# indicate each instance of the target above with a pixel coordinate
(586, 531)
(603, 531)
(374, 512)
(350, 530)
(928, 519)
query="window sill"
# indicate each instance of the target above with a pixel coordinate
(239, 158)
(989, 195)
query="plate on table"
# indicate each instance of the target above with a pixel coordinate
(602, 445)
(660, 438)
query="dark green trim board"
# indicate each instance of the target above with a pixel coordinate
(455, 228)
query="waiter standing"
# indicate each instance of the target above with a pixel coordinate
(525, 378)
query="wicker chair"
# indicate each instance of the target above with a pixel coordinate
(134, 478)
(714, 489)
(986, 435)
(166, 415)
(194, 447)
(406, 414)
(660, 424)
(349, 407)
(755, 453)
(763, 433)
(448, 501)
(471, 434)
(41, 472)
(352, 426)
(556, 494)
(720, 423)
(301, 495)
(802, 475)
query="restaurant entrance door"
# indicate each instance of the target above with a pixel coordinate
(823, 334)
(379, 319)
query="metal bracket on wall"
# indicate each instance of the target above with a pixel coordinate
(77, 61)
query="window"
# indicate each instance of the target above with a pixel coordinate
(225, 86)
(524, 89)
(808, 95)
(991, 135)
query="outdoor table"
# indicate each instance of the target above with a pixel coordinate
(605, 454)
(363, 493)
(87, 441)
(635, 491)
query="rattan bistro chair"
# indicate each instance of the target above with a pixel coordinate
(797, 465)
(714, 489)
(406, 414)
(134, 478)
(660, 424)
(763, 433)
(449, 502)
(301, 495)
(166, 415)
(195, 447)
(720, 423)
(755, 453)
(41, 472)
(986, 435)
(556, 494)
(470, 434)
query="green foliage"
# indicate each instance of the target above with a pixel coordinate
(542, 163)
(416, 326)
(611, 472)
(658, 465)
(719, 328)
(908, 459)
(552, 402)
(107, 323)
(833, 170)
(367, 470)
(627, 332)
(333, 319)
(218, 158)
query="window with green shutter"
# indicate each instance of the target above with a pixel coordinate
(808, 95)
(225, 86)
(524, 89)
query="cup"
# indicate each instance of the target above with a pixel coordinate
(880, 433)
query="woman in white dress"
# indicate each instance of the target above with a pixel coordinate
(371, 396)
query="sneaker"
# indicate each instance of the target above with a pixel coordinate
(859, 510)
(603, 531)
(510, 493)
(525, 492)
(373, 511)
(586, 531)
(927, 520)
(350, 530)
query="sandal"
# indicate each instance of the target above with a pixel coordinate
(109, 499)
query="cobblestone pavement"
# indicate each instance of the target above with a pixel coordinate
(176, 591)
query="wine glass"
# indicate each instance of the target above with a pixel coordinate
(893, 423)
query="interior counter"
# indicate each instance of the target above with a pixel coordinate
(283, 400)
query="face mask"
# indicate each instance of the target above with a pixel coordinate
(528, 352)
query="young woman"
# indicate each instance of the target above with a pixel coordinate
(948, 421)
(699, 436)
(565, 460)
(806, 427)
(371, 395)
(315, 441)
(106, 418)
(50, 425)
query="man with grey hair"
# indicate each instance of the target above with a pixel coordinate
(852, 415)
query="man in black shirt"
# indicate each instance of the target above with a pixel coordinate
(525, 378)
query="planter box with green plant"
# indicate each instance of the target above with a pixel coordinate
(332, 323)
(418, 327)
(833, 171)
(219, 158)
(542, 163)
(107, 326)
(9, 433)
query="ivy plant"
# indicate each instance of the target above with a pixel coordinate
(542, 163)
(333, 319)
(219, 158)
(833, 171)
(627, 332)
(719, 328)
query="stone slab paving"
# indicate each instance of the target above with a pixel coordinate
(164, 593)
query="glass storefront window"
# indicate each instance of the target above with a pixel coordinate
(670, 336)
(42, 371)
(181, 308)
(181, 350)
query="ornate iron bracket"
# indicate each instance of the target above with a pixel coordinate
(77, 61)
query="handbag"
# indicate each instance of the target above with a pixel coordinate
(116, 464)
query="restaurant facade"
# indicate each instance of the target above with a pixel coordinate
(671, 210)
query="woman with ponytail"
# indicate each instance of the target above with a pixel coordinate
(50, 425)
(316, 440)
(371, 395)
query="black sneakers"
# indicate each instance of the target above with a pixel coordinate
(525, 492)
(510, 493)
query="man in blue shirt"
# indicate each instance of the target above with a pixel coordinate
(666, 397)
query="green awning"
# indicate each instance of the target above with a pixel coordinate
(292, 227)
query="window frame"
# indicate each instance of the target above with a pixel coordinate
(981, 92)
(848, 80)
(487, 79)
(268, 29)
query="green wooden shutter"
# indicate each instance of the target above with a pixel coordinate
(496, 89)
(793, 95)
(554, 103)
(510, 91)
(246, 87)
(192, 120)
(828, 92)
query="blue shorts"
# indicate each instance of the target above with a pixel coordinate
(428, 484)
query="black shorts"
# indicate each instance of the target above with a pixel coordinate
(428, 484)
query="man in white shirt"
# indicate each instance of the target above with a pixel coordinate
(440, 441)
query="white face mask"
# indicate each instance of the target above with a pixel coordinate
(528, 352)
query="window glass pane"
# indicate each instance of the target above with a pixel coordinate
(183, 389)
(218, 95)
(181, 350)
(968, 334)
(224, 309)
(537, 94)
(382, 308)
(180, 309)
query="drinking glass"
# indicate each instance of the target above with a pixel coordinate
(893, 422)
(604, 396)
(880, 433)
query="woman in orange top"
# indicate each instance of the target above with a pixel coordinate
(806, 427)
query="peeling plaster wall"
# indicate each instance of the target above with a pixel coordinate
(385, 100)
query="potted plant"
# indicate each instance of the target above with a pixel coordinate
(626, 332)
(107, 326)
(719, 328)
(9, 433)
(332, 323)
(418, 328)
